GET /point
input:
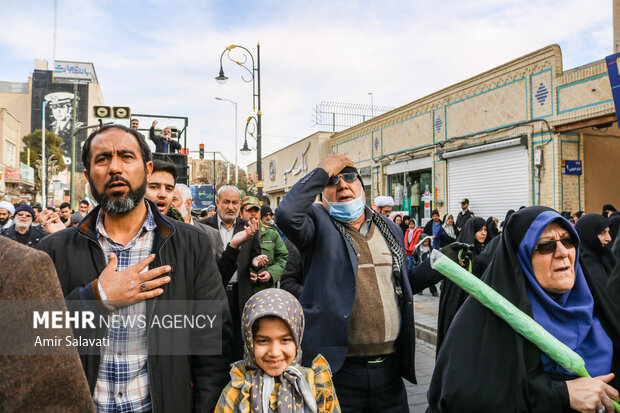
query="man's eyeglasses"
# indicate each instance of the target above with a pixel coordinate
(548, 247)
(24, 215)
(347, 177)
(268, 214)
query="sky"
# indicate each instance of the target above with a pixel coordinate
(161, 57)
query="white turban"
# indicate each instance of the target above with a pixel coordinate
(382, 201)
(8, 206)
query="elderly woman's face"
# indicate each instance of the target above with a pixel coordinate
(555, 271)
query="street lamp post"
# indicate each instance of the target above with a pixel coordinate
(255, 79)
(236, 164)
(246, 149)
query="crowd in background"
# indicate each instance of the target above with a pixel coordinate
(337, 272)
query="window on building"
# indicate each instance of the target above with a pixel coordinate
(407, 188)
(9, 155)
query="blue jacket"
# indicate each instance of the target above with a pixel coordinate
(330, 273)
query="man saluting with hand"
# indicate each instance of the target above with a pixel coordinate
(127, 258)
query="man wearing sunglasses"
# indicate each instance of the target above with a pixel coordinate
(358, 292)
(22, 229)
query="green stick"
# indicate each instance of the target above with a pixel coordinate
(517, 319)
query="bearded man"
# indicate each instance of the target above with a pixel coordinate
(126, 257)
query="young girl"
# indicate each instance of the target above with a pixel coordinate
(270, 378)
(422, 249)
(422, 252)
(411, 239)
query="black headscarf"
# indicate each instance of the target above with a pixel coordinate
(613, 231)
(613, 287)
(468, 234)
(484, 365)
(614, 219)
(452, 296)
(483, 260)
(508, 214)
(608, 207)
(492, 230)
(597, 259)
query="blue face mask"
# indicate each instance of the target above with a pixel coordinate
(346, 211)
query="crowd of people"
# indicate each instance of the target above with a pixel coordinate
(317, 296)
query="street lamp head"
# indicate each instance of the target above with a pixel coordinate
(221, 79)
(245, 150)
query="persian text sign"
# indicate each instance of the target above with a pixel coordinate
(571, 167)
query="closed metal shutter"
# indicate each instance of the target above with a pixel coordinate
(494, 181)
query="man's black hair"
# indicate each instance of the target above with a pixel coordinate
(163, 166)
(65, 205)
(84, 201)
(144, 147)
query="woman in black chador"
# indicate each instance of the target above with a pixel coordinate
(452, 296)
(486, 366)
(596, 255)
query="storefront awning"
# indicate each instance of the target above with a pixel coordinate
(410, 165)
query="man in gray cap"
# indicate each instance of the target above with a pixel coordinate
(75, 219)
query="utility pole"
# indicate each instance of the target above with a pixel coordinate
(72, 184)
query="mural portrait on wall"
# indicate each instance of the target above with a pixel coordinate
(60, 115)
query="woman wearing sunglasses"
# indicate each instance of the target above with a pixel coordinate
(485, 366)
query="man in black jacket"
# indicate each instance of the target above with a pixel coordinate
(127, 258)
(165, 143)
(464, 215)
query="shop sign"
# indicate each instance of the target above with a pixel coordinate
(202, 195)
(571, 167)
(12, 173)
(27, 173)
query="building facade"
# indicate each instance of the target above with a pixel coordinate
(16, 178)
(524, 133)
(56, 86)
(282, 169)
